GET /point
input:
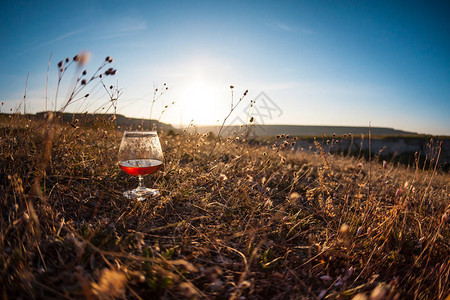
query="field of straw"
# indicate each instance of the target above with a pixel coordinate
(235, 219)
(241, 222)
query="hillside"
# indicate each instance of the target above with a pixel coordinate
(120, 121)
(303, 130)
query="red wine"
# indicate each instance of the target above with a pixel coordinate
(140, 166)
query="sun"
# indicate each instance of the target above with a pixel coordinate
(200, 100)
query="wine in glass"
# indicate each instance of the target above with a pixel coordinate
(140, 154)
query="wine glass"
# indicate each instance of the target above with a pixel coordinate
(140, 154)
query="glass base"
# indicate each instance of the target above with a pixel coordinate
(140, 194)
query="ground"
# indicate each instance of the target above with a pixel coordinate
(234, 220)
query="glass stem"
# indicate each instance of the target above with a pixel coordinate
(141, 182)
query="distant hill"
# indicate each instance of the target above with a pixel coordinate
(121, 122)
(300, 130)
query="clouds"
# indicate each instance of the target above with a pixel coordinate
(124, 27)
(61, 37)
(288, 28)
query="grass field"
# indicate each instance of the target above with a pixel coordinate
(242, 222)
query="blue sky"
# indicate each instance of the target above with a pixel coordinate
(320, 62)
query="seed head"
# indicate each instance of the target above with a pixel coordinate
(378, 293)
(223, 177)
(231, 86)
(446, 218)
(67, 60)
(108, 58)
(84, 72)
(83, 82)
(76, 58)
(60, 64)
(111, 87)
(294, 196)
(84, 58)
(344, 229)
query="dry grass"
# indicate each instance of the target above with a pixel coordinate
(247, 221)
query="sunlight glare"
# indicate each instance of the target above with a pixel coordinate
(200, 100)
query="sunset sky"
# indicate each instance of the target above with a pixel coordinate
(320, 62)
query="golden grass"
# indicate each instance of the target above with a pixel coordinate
(237, 221)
